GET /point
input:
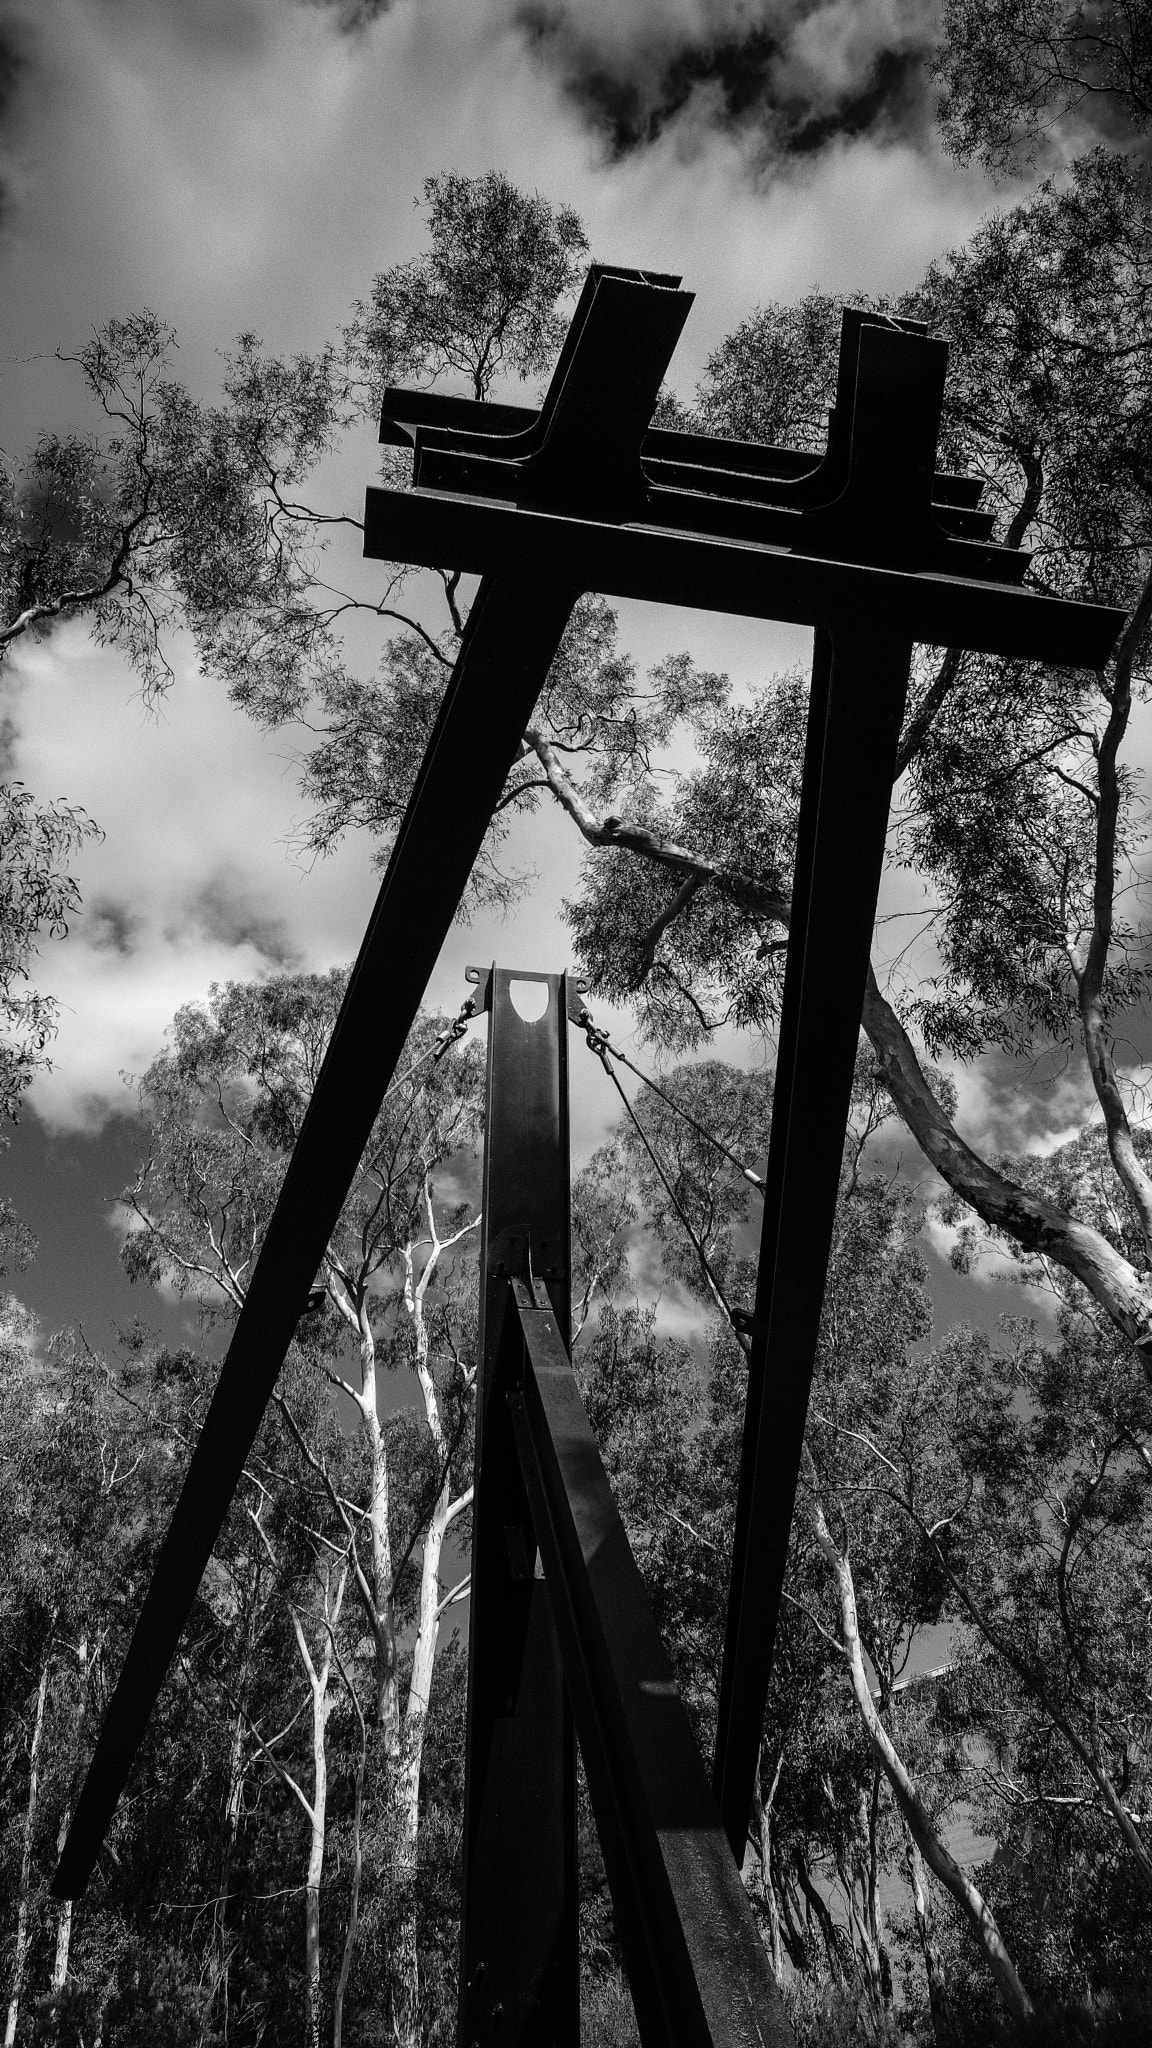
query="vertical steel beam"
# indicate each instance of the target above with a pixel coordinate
(519, 1964)
(697, 1968)
(855, 715)
(508, 646)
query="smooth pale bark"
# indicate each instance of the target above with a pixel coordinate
(403, 1734)
(1033, 1223)
(934, 1970)
(353, 1923)
(234, 1795)
(1089, 961)
(23, 1895)
(387, 1695)
(406, 2019)
(860, 1885)
(64, 1923)
(762, 1810)
(973, 1906)
(316, 1808)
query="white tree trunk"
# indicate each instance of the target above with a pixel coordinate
(934, 1969)
(64, 1924)
(316, 1809)
(23, 1896)
(406, 2018)
(387, 1693)
(970, 1900)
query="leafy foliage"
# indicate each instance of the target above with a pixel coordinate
(1009, 69)
(483, 299)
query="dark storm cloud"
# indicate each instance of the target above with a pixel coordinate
(13, 58)
(225, 911)
(351, 15)
(111, 925)
(795, 74)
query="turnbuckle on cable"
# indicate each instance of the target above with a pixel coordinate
(454, 1030)
(597, 1036)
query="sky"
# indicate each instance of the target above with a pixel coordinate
(241, 165)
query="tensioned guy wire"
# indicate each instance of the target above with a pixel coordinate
(597, 1039)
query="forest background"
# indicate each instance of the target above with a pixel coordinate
(951, 1833)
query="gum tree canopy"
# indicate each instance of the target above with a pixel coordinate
(1009, 71)
(1014, 803)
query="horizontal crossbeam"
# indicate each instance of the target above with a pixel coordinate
(708, 574)
(510, 640)
(479, 426)
(697, 1967)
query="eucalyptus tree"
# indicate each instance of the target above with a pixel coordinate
(87, 1478)
(37, 897)
(851, 1783)
(1013, 802)
(223, 1106)
(1009, 71)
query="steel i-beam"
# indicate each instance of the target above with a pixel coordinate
(587, 440)
(519, 1947)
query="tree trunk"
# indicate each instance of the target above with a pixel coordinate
(876, 1915)
(762, 1810)
(795, 1940)
(387, 1695)
(1036, 1224)
(353, 1924)
(818, 1909)
(233, 1801)
(64, 1924)
(23, 1896)
(317, 1808)
(406, 1975)
(971, 1902)
(934, 1970)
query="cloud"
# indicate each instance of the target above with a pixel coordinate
(12, 64)
(260, 178)
(799, 74)
(252, 163)
(195, 880)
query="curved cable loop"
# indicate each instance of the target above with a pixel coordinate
(597, 1039)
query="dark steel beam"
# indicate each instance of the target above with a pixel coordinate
(469, 423)
(512, 634)
(519, 1934)
(744, 577)
(854, 730)
(508, 645)
(697, 1968)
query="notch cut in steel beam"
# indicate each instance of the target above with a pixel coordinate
(511, 637)
(519, 1933)
(697, 1968)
